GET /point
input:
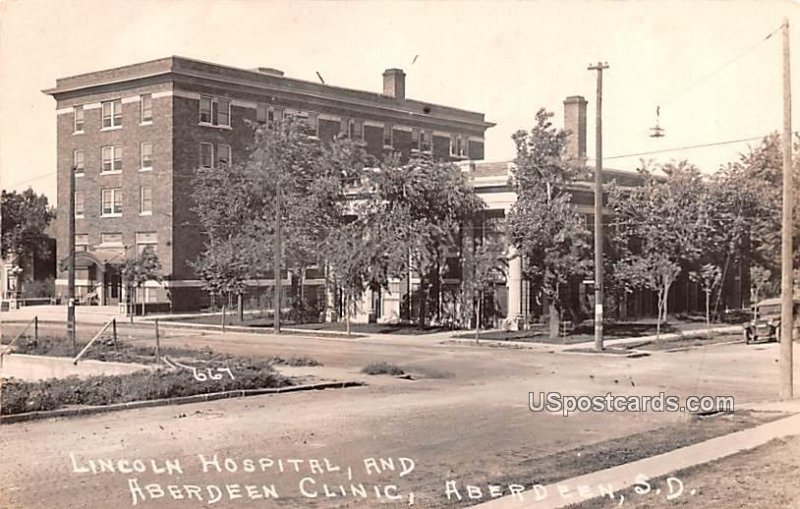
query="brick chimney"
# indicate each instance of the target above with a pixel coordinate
(575, 125)
(394, 83)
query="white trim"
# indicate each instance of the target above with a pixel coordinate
(244, 104)
(110, 172)
(149, 122)
(92, 106)
(372, 123)
(130, 99)
(403, 128)
(111, 215)
(159, 95)
(329, 118)
(112, 128)
(442, 134)
(475, 138)
(78, 282)
(186, 95)
(225, 127)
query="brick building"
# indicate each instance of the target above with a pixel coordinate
(136, 134)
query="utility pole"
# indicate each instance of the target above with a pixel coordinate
(71, 261)
(598, 211)
(276, 320)
(787, 318)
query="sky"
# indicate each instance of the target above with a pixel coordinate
(707, 64)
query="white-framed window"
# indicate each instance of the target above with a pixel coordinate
(456, 145)
(80, 203)
(224, 156)
(111, 202)
(215, 111)
(415, 139)
(111, 159)
(146, 156)
(111, 239)
(78, 119)
(355, 129)
(78, 161)
(145, 200)
(112, 113)
(144, 239)
(146, 108)
(206, 155)
(388, 137)
(262, 113)
(81, 242)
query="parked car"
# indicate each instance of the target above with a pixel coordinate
(766, 323)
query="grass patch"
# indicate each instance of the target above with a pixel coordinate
(382, 368)
(21, 396)
(295, 361)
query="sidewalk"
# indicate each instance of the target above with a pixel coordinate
(565, 493)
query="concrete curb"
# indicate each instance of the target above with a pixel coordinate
(183, 400)
(209, 327)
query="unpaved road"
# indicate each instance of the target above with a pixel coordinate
(469, 421)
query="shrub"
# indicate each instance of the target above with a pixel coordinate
(382, 368)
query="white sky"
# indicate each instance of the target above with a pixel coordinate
(505, 59)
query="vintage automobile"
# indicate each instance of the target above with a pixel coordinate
(766, 323)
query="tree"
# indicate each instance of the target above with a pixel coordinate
(660, 228)
(427, 203)
(489, 264)
(25, 217)
(709, 276)
(543, 225)
(137, 270)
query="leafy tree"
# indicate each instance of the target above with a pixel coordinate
(426, 203)
(710, 277)
(137, 270)
(542, 225)
(25, 217)
(489, 264)
(661, 228)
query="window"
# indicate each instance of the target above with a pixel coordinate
(112, 158)
(223, 156)
(77, 161)
(275, 115)
(145, 200)
(415, 138)
(146, 101)
(456, 145)
(205, 110)
(146, 156)
(81, 242)
(387, 135)
(356, 129)
(79, 203)
(425, 141)
(313, 123)
(78, 112)
(145, 239)
(261, 113)
(112, 114)
(111, 200)
(206, 155)
(215, 111)
(111, 239)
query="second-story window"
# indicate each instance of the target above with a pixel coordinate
(112, 114)
(146, 101)
(206, 155)
(387, 135)
(145, 200)
(112, 158)
(146, 156)
(356, 129)
(215, 111)
(77, 161)
(79, 203)
(111, 202)
(78, 112)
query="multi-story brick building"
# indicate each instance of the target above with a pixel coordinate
(136, 134)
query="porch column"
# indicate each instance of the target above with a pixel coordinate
(514, 285)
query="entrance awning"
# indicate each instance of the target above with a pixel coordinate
(99, 258)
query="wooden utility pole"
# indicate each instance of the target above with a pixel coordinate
(276, 320)
(787, 318)
(71, 261)
(598, 211)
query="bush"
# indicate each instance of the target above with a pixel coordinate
(39, 289)
(21, 396)
(382, 368)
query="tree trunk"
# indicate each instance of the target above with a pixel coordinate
(347, 313)
(240, 306)
(423, 302)
(660, 306)
(478, 317)
(555, 319)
